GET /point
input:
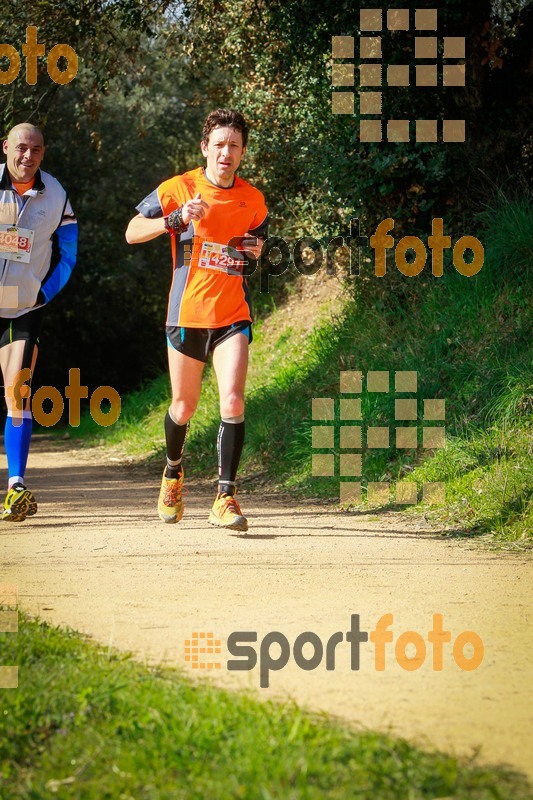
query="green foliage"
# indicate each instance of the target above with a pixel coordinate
(91, 725)
(507, 224)
(278, 55)
(489, 481)
(103, 34)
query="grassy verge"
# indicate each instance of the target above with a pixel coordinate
(88, 725)
(468, 339)
(489, 479)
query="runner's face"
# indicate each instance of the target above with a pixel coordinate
(224, 152)
(24, 150)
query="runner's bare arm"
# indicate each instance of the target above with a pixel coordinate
(143, 229)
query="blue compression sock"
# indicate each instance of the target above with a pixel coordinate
(17, 444)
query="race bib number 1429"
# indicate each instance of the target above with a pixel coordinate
(220, 257)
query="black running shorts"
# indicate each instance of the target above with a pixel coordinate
(199, 342)
(27, 328)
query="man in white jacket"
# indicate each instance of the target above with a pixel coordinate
(38, 245)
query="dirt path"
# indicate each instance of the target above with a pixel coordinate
(101, 562)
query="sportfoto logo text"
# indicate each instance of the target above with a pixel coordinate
(32, 50)
(409, 649)
(75, 391)
(409, 252)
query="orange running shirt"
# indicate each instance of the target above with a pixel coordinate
(208, 289)
(20, 188)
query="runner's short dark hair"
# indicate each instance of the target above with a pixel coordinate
(225, 118)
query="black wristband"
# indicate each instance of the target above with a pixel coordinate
(174, 222)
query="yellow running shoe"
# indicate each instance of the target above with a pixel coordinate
(19, 504)
(227, 514)
(170, 505)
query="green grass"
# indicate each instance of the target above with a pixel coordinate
(469, 340)
(91, 725)
(489, 480)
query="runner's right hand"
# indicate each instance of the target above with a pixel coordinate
(194, 209)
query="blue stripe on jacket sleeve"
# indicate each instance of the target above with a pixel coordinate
(67, 244)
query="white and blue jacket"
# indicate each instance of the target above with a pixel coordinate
(46, 210)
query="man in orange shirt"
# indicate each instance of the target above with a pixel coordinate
(207, 211)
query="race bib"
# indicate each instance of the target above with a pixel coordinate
(221, 257)
(16, 243)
